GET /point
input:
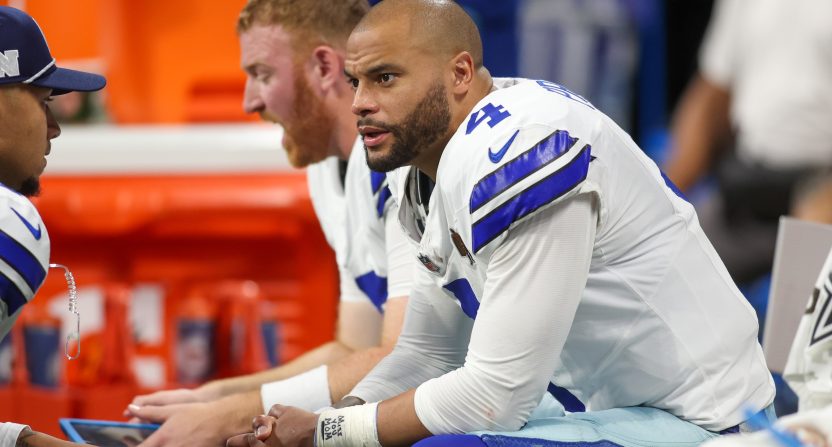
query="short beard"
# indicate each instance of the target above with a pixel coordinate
(30, 187)
(422, 128)
(309, 131)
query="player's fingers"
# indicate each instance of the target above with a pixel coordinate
(167, 397)
(277, 410)
(263, 426)
(237, 441)
(246, 440)
(152, 413)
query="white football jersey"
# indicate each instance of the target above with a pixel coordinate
(352, 214)
(809, 368)
(24, 255)
(659, 322)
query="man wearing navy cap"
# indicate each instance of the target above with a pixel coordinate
(28, 79)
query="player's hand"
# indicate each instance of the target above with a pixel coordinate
(282, 427)
(171, 397)
(202, 424)
(263, 427)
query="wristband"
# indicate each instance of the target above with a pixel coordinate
(309, 391)
(351, 426)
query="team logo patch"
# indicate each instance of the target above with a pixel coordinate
(428, 263)
(36, 232)
(9, 65)
(495, 157)
(460, 246)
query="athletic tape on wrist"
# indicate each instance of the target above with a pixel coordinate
(309, 391)
(351, 426)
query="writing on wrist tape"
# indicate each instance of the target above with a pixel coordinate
(350, 426)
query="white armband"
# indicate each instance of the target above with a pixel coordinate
(9, 433)
(309, 391)
(350, 426)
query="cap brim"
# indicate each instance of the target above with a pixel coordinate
(64, 80)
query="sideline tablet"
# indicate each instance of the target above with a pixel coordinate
(106, 433)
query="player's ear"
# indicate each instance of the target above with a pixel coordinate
(462, 67)
(328, 67)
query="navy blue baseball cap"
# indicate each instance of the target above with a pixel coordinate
(25, 58)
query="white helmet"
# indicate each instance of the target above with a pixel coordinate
(24, 255)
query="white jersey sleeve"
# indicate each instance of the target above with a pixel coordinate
(809, 367)
(24, 255)
(433, 341)
(400, 257)
(501, 381)
(352, 206)
(369, 202)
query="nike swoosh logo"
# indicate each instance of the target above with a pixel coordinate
(497, 156)
(35, 231)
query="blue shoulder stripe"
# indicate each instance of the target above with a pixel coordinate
(20, 259)
(383, 197)
(520, 167)
(376, 180)
(375, 287)
(11, 294)
(487, 228)
(462, 290)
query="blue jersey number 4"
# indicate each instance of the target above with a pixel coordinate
(494, 114)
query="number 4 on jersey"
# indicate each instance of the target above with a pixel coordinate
(494, 114)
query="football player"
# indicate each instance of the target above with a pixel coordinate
(293, 54)
(553, 251)
(28, 80)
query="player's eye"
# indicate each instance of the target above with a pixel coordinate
(386, 78)
(262, 77)
(353, 83)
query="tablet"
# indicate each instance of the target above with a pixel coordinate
(106, 433)
(802, 248)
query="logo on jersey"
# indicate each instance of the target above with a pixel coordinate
(823, 325)
(428, 263)
(36, 232)
(495, 157)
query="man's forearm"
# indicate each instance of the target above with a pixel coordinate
(31, 438)
(322, 355)
(345, 373)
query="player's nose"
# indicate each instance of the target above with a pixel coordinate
(252, 103)
(363, 104)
